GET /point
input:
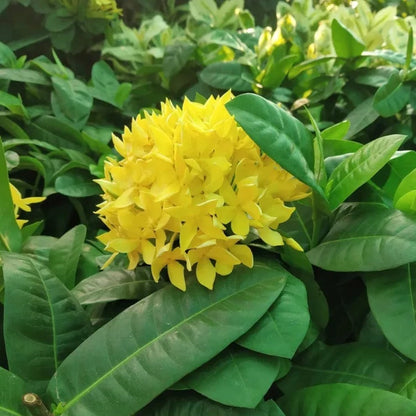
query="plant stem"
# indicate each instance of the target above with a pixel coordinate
(35, 405)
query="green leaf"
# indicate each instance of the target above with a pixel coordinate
(191, 404)
(390, 98)
(346, 43)
(351, 363)
(405, 383)
(361, 117)
(24, 75)
(203, 10)
(407, 184)
(64, 255)
(228, 76)
(11, 393)
(223, 38)
(281, 136)
(71, 100)
(166, 327)
(13, 104)
(357, 169)
(77, 183)
(391, 295)
(176, 56)
(10, 234)
(345, 400)
(282, 328)
(277, 68)
(115, 284)
(236, 377)
(337, 131)
(43, 322)
(367, 237)
(336, 147)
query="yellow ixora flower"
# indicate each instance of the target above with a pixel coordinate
(22, 203)
(188, 189)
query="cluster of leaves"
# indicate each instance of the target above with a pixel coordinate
(328, 331)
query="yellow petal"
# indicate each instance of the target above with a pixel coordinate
(205, 273)
(186, 235)
(273, 238)
(240, 223)
(176, 275)
(223, 269)
(243, 253)
(148, 251)
(293, 243)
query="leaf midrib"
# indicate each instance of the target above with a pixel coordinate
(12, 412)
(128, 358)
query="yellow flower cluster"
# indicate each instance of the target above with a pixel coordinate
(190, 186)
(22, 203)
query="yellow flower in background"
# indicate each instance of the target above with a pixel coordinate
(22, 203)
(189, 188)
(93, 9)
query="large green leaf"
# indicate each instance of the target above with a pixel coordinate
(362, 116)
(281, 330)
(228, 76)
(159, 340)
(77, 183)
(10, 235)
(405, 383)
(348, 363)
(12, 388)
(115, 284)
(345, 400)
(346, 43)
(284, 138)
(367, 237)
(64, 255)
(392, 299)
(190, 404)
(357, 169)
(43, 322)
(236, 377)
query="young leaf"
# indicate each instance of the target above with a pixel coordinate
(391, 295)
(156, 342)
(11, 392)
(357, 169)
(345, 400)
(236, 377)
(10, 235)
(351, 363)
(346, 43)
(64, 255)
(337, 131)
(367, 237)
(284, 138)
(282, 328)
(43, 322)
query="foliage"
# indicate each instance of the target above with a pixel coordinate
(320, 100)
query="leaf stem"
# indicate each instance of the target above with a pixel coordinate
(35, 405)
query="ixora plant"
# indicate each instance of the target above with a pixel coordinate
(232, 201)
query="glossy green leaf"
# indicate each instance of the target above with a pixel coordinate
(390, 98)
(236, 377)
(13, 104)
(337, 131)
(360, 167)
(64, 255)
(284, 138)
(166, 327)
(367, 237)
(351, 363)
(228, 76)
(405, 383)
(335, 147)
(277, 68)
(282, 328)
(41, 325)
(115, 284)
(24, 75)
(11, 392)
(407, 202)
(346, 43)
(191, 404)
(77, 183)
(345, 400)
(391, 295)
(10, 235)
(223, 38)
(407, 184)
